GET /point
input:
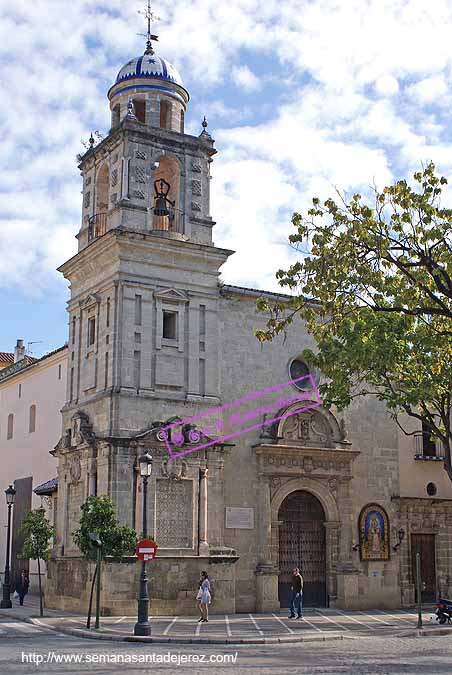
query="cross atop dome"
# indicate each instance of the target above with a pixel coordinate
(150, 17)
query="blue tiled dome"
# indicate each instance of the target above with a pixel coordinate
(149, 66)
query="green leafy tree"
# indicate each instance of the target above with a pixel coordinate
(374, 285)
(37, 533)
(98, 516)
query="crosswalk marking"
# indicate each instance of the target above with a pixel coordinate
(281, 621)
(342, 626)
(349, 616)
(167, 629)
(261, 632)
(375, 618)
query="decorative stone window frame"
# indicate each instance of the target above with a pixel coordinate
(90, 309)
(171, 300)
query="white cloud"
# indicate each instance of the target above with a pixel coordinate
(429, 90)
(244, 78)
(386, 85)
(337, 106)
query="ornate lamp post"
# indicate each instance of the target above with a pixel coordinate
(6, 600)
(143, 627)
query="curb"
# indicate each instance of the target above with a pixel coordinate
(425, 632)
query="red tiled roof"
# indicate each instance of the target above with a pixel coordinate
(7, 357)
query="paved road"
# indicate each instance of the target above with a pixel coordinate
(373, 655)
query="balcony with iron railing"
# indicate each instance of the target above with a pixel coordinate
(97, 226)
(427, 448)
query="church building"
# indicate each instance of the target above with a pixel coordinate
(155, 341)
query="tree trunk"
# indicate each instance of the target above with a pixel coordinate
(41, 609)
(88, 621)
(447, 458)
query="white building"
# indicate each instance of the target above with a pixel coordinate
(32, 392)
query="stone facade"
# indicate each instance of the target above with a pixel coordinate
(156, 339)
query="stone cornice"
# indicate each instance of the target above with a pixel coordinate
(263, 449)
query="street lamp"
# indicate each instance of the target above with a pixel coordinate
(143, 627)
(400, 538)
(6, 600)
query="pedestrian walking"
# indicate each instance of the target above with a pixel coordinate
(296, 597)
(199, 598)
(205, 596)
(22, 585)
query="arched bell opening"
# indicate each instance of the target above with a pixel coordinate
(97, 224)
(302, 544)
(115, 116)
(139, 105)
(166, 214)
(165, 114)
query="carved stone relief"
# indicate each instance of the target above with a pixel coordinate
(174, 522)
(308, 428)
(75, 469)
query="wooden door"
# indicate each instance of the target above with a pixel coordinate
(425, 545)
(302, 544)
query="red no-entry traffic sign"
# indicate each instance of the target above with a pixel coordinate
(146, 550)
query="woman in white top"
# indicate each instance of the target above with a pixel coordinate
(198, 599)
(205, 596)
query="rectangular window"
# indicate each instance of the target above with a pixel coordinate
(10, 429)
(106, 371)
(169, 325)
(32, 419)
(136, 369)
(108, 312)
(71, 391)
(202, 319)
(20, 391)
(182, 116)
(138, 310)
(59, 372)
(91, 331)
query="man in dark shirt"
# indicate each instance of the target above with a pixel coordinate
(296, 597)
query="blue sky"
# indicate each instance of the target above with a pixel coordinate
(301, 97)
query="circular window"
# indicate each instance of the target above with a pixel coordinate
(431, 489)
(298, 369)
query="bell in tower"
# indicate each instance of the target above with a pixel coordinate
(148, 174)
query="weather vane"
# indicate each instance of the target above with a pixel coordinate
(150, 17)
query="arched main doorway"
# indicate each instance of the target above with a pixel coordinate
(301, 521)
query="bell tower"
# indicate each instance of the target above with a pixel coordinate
(144, 336)
(147, 174)
(144, 283)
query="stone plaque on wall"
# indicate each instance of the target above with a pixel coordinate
(174, 507)
(239, 518)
